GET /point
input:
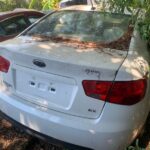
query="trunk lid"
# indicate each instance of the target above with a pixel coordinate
(58, 84)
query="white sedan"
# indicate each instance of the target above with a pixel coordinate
(78, 76)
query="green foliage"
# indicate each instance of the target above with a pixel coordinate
(144, 29)
(44, 4)
(35, 4)
(144, 24)
(136, 147)
(6, 5)
(50, 4)
(140, 11)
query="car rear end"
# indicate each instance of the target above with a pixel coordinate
(94, 98)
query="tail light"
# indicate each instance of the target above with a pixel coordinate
(118, 92)
(4, 64)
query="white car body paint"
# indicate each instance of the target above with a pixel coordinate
(108, 127)
(76, 67)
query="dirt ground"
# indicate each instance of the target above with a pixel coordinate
(12, 138)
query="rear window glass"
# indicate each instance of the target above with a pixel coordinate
(83, 26)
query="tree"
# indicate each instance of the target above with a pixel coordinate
(140, 11)
(35, 4)
(44, 4)
(50, 4)
(12, 4)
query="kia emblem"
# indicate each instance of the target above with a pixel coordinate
(39, 63)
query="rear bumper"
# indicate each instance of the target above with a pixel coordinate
(113, 130)
(42, 136)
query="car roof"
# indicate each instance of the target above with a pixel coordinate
(7, 14)
(90, 8)
(80, 7)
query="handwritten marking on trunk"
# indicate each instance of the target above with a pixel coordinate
(93, 72)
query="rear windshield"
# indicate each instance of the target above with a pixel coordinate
(85, 26)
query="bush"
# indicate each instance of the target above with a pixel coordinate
(140, 11)
(7, 5)
(136, 147)
(44, 4)
(50, 4)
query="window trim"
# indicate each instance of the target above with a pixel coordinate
(12, 17)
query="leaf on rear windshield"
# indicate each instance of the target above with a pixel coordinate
(120, 44)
